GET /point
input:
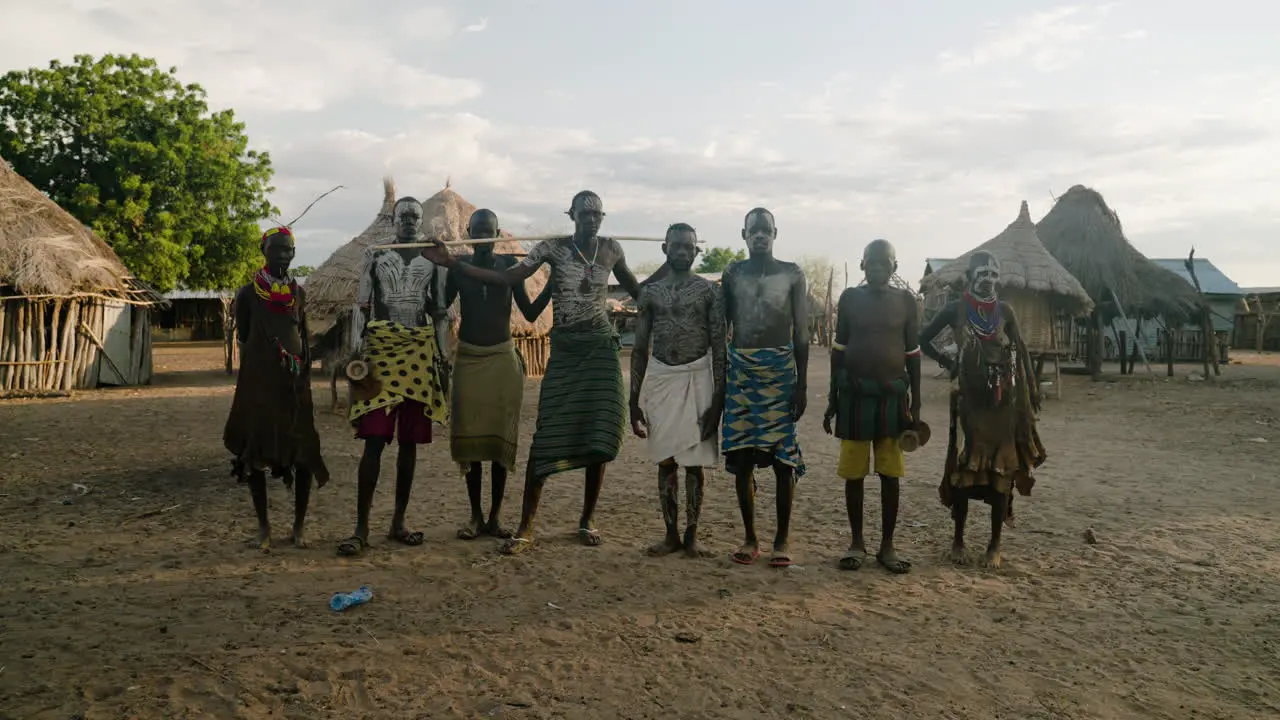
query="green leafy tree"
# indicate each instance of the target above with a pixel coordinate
(301, 271)
(716, 259)
(136, 155)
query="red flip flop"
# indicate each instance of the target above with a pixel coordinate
(744, 558)
(780, 560)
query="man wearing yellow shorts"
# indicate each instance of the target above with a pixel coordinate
(874, 396)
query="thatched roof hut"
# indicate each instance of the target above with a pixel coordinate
(71, 315)
(1084, 234)
(1038, 288)
(331, 288)
(1025, 264)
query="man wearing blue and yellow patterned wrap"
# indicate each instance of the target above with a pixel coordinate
(766, 306)
(406, 387)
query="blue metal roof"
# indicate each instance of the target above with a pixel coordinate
(933, 265)
(1212, 281)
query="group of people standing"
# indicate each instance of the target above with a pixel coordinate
(715, 370)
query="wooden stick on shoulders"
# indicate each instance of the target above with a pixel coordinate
(523, 239)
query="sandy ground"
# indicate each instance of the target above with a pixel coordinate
(140, 599)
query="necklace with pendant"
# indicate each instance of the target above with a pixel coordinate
(588, 274)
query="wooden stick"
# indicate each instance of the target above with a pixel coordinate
(5, 344)
(103, 349)
(528, 238)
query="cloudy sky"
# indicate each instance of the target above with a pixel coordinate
(925, 123)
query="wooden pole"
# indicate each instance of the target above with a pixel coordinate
(1122, 340)
(1206, 321)
(826, 317)
(490, 241)
(5, 344)
(69, 354)
(1120, 310)
(1168, 350)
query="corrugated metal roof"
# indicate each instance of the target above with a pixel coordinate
(1212, 280)
(1260, 290)
(933, 265)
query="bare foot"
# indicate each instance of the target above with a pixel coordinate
(992, 559)
(590, 536)
(516, 546)
(263, 542)
(958, 555)
(664, 548)
(694, 550)
(299, 538)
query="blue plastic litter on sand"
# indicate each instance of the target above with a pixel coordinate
(342, 601)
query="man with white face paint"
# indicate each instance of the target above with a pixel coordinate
(993, 405)
(408, 376)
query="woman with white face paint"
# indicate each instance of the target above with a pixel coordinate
(993, 402)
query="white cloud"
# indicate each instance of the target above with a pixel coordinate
(478, 26)
(1048, 40)
(253, 56)
(874, 152)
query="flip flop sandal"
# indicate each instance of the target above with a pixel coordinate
(744, 558)
(780, 560)
(352, 547)
(852, 561)
(510, 546)
(901, 568)
(404, 537)
(585, 533)
(466, 532)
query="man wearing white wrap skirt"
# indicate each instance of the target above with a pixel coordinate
(677, 385)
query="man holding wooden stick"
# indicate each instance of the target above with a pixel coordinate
(487, 383)
(271, 426)
(582, 405)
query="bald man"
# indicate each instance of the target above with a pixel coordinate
(874, 396)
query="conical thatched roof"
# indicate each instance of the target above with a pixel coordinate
(331, 288)
(1024, 264)
(1085, 235)
(46, 251)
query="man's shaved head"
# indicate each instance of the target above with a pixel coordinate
(879, 263)
(880, 249)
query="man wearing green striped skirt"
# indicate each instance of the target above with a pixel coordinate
(582, 405)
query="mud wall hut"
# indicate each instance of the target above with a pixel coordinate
(331, 288)
(1085, 235)
(1043, 295)
(71, 315)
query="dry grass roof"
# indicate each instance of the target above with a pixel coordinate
(45, 251)
(331, 288)
(1085, 235)
(1025, 263)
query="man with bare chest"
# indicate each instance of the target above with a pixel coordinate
(488, 381)
(767, 308)
(677, 387)
(875, 373)
(407, 371)
(582, 402)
